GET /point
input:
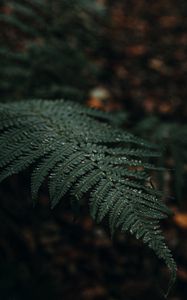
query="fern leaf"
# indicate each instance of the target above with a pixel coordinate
(98, 195)
(41, 171)
(83, 155)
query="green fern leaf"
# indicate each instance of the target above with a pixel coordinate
(81, 153)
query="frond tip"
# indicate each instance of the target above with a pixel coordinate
(81, 153)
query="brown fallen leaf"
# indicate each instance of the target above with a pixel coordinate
(136, 50)
(100, 98)
(182, 273)
(181, 220)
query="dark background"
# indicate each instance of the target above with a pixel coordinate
(125, 56)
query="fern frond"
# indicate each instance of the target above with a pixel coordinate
(83, 155)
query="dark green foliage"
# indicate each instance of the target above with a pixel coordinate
(45, 48)
(81, 154)
(172, 137)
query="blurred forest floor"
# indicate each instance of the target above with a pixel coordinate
(48, 254)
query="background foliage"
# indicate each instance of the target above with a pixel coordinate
(122, 55)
